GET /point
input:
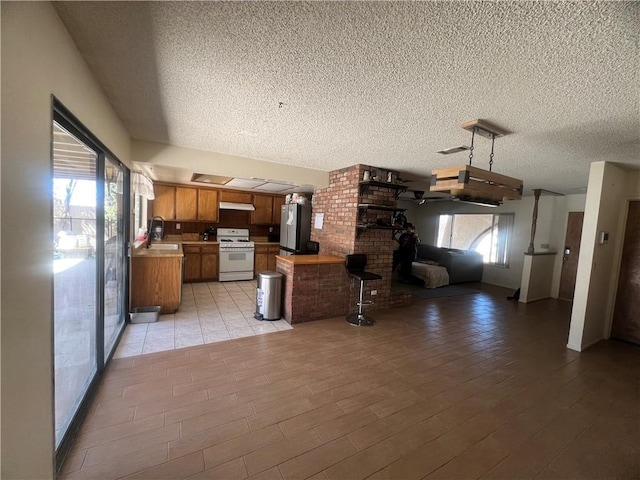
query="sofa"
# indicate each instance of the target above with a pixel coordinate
(462, 265)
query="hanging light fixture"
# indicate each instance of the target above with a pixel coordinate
(473, 184)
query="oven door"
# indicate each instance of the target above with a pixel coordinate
(235, 265)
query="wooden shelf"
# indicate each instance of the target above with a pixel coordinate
(361, 228)
(364, 186)
(384, 208)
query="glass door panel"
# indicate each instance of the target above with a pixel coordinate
(74, 273)
(114, 254)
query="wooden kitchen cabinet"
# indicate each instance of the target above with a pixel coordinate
(192, 261)
(235, 197)
(186, 203)
(201, 263)
(164, 204)
(278, 201)
(267, 210)
(156, 280)
(209, 262)
(263, 213)
(208, 205)
(265, 258)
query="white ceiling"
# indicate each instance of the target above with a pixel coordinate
(326, 85)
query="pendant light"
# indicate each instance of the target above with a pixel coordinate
(469, 183)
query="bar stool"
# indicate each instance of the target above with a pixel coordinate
(355, 264)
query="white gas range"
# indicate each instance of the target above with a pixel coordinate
(236, 254)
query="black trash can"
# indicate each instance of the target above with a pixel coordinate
(269, 296)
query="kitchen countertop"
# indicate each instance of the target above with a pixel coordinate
(140, 249)
(311, 259)
(143, 251)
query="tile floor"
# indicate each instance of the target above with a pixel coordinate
(210, 312)
(473, 386)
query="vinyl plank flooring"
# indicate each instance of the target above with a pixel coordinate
(457, 387)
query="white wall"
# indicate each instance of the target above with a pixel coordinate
(38, 60)
(425, 217)
(610, 188)
(201, 161)
(550, 229)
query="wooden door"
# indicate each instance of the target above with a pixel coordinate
(209, 265)
(264, 210)
(186, 203)
(164, 203)
(626, 313)
(208, 205)
(570, 254)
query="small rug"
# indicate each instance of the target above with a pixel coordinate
(448, 291)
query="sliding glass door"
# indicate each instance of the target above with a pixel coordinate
(114, 254)
(90, 198)
(75, 166)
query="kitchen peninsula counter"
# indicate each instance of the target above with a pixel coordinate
(315, 287)
(311, 259)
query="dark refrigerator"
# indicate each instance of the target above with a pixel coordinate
(295, 228)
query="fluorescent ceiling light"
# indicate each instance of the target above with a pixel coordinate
(243, 183)
(212, 179)
(275, 187)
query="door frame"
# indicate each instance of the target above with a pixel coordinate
(60, 114)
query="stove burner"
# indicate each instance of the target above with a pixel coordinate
(226, 240)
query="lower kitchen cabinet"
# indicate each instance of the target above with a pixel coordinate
(200, 263)
(209, 263)
(265, 258)
(156, 280)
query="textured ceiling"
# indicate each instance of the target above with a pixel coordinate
(327, 85)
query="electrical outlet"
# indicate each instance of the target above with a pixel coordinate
(374, 292)
(177, 226)
(270, 229)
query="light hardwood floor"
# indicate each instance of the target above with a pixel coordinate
(473, 386)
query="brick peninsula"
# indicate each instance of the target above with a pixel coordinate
(315, 287)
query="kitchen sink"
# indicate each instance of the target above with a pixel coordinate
(164, 246)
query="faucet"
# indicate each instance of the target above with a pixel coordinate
(151, 229)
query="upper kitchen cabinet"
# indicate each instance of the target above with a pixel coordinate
(208, 205)
(263, 213)
(164, 204)
(267, 210)
(186, 203)
(278, 201)
(235, 197)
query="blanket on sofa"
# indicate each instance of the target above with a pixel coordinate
(434, 276)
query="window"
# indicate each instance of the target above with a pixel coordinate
(488, 234)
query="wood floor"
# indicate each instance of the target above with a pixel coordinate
(473, 386)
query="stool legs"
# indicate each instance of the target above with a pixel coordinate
(359, 319)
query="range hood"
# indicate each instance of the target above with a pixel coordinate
(236, 206)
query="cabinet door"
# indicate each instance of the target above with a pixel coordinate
(260, 259)
(208, 205)
(278, 201)
(164, 204)
(209, 270)
(264, 210)
(237, 197)
(192, 259)
(186, 203)
(261, 263)
(273, 251)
